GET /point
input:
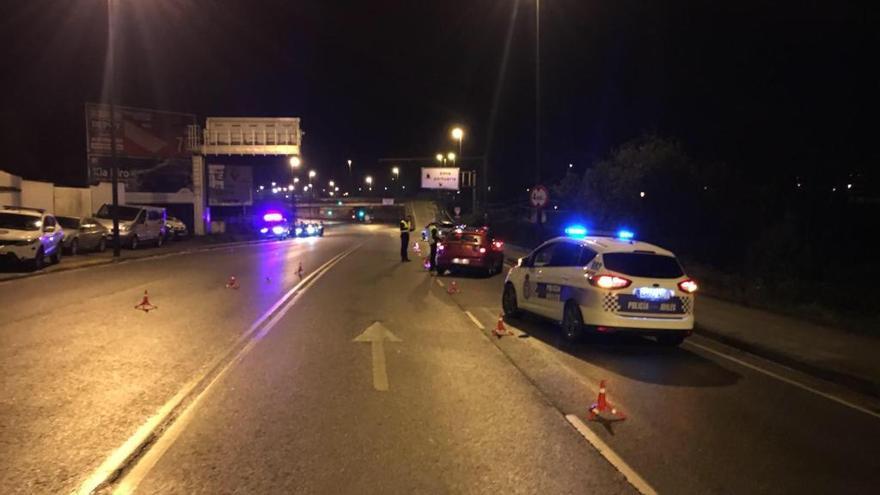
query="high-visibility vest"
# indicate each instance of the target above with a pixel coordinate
(404, 226)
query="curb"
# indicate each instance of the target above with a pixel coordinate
(110, 261)
(853, 382)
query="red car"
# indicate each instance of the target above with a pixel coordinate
(470, 248)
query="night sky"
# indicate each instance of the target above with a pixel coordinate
(782, 90)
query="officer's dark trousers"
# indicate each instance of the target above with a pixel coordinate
(404, 246)
(433, 256)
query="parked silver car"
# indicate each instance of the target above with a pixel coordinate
(83, 234)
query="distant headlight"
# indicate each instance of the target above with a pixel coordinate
(264, 230)
(310, 230)
(299, 230)
(277, 230)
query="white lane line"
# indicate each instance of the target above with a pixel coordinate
(143, 434)
(629, 473)
(146, 463)
(475, 320)
(786, 380)
(439, 282)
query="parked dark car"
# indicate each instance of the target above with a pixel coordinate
(83, 234)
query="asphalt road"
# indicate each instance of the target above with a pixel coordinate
(302, 405)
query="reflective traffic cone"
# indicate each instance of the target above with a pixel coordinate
(500, 329)
(426, 264)
(232, 283)
(603, 406)
(145, 304)
(453, 288)
(417, 248)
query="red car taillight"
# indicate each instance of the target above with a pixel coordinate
(689, 286)
(439, 246)
(497, 245)
(611, 282)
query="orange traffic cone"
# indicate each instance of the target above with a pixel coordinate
(417, 248)
(299, 271)
(453, 288)
(500, 329)
(145, 304)
(426, 263)
(232, 283)
(603, 406)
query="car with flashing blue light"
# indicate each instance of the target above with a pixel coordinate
(309, 229)
(604, 282)
(275, 225)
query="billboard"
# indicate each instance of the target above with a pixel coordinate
(230, 185)
(168, 175)
(140, 133)
(440, 178)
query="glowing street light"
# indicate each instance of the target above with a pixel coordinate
(439, 157)
(331, 183)
(295, 161)
(296, 180)
(369, 180)
(312, 174)
(458, 135)
(451, 157)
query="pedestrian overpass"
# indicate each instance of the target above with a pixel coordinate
(236, 136)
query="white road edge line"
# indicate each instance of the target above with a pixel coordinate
(475, 320)
(103, 473)
(786, 380)
(629, 473)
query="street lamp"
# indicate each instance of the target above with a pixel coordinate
(439, 157)
(458, 135)
(396, 172)
(451, 157)
(295, 161)
(296, 180)
(369, 180)
(331, 183)
(312, 174)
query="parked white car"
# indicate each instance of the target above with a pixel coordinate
(137, 224)
(29, 235)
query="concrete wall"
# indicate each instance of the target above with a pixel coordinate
(38, 194)
(73, 201)
(10, 189)
(103, 194)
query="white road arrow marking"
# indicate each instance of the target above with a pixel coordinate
(376, 334)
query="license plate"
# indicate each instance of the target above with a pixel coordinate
(632, 304)
(653, 294)
(461, 261)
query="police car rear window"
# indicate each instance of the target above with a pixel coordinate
(643, 265)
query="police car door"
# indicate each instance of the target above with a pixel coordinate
(558, 277)
(533, 277)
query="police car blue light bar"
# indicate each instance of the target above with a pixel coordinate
(576, 231)
(626, 234)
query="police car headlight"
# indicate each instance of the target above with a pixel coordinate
(299, 230)
(264, 230)
(310, 230)
(277, 230)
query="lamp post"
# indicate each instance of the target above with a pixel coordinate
(114, 165)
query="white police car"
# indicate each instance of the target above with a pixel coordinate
(604, 284)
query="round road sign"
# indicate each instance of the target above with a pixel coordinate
(539, 196)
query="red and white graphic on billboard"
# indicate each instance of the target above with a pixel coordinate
(140, 133)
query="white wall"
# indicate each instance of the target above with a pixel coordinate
(36, 194)
(73, 201)
(103, 194)
(10, 189)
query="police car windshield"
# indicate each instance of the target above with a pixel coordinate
(643, 265)
(19, 222)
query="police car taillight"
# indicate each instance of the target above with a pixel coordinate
(611, 282)
(689, 286)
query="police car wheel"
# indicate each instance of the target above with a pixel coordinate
(572, 322)
(508, 301)
(670, 340)
(39, 260)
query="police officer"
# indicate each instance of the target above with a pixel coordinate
(434, 236)
(406, 226)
